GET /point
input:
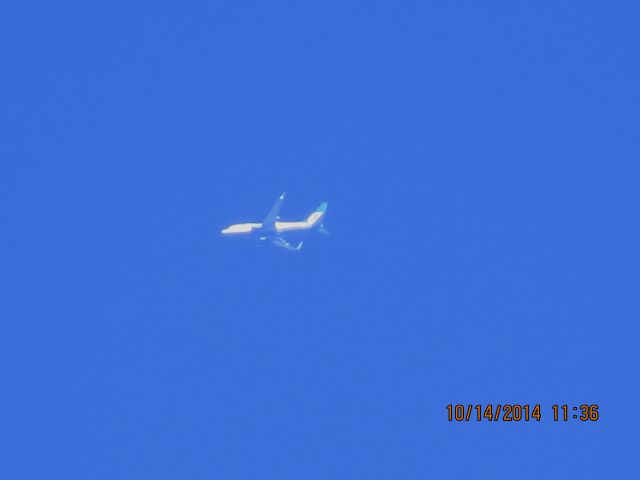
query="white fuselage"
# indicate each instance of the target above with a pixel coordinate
(280, 227)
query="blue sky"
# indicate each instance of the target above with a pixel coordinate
(480, 164)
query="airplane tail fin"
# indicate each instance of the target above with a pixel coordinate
(317, 214)
(299, 247)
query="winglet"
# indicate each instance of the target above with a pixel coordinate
(299, 246)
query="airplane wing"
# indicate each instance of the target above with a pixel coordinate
(269, 223)
(281, 242)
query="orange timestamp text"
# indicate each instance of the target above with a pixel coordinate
(517, 412)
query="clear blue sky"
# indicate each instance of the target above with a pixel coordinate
(481, 169)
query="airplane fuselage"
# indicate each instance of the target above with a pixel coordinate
(280, 227)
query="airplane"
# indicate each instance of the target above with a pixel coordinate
(271, 228)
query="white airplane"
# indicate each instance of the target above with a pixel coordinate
(271, 229)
